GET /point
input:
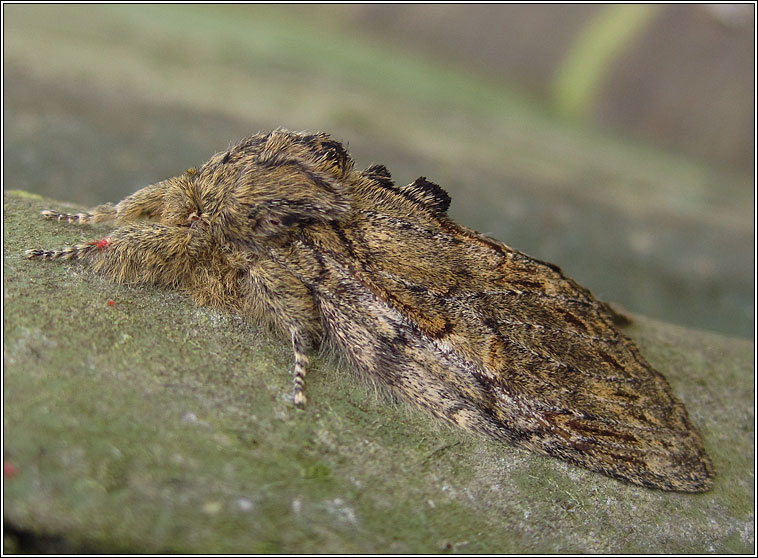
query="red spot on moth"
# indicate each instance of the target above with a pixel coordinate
(101, 243)
(111, 303)
(9, 469)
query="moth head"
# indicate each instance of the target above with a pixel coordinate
(286, 181)
(183, 203)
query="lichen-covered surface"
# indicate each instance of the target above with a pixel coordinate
(151, 425)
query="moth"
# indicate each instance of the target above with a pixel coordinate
(282, 229)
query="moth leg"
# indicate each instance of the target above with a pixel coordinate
(136, 253)
(99, 214)
(144, 203)
(67, 253)
(272, 295)
(300, 348)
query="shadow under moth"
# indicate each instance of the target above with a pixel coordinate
(282, 229)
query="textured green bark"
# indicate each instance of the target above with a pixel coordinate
(151, 425)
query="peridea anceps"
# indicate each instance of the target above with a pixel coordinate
(281, 228)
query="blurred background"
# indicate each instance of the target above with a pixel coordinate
(615, 141)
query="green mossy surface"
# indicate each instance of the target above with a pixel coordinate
(152, 425)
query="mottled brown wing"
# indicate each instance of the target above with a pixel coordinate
(497, 342)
